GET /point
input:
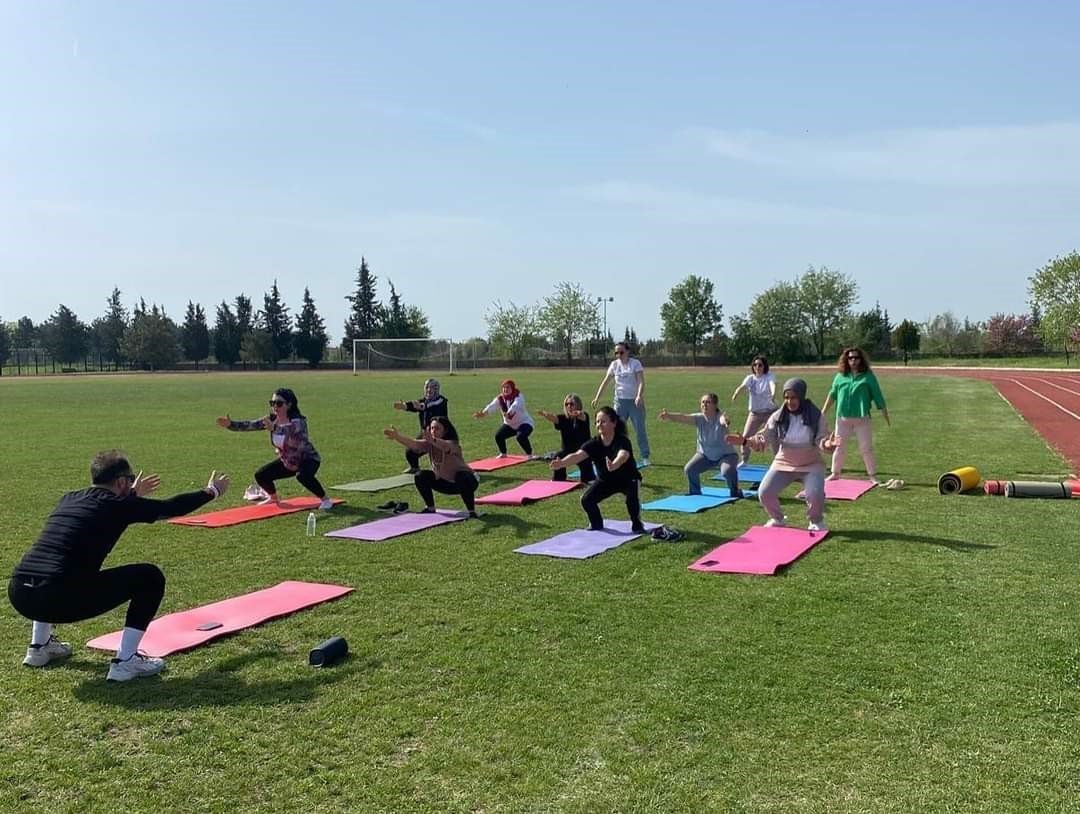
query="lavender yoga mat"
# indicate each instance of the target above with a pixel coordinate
(581, 544)
(528, 492)
(396, 526)
(844, 489)
(759, 550)
(186, 629)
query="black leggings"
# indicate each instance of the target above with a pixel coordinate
(464, 484)
(585, 468)
(600, 490)
(523, 432)
(412, 456)
(275, 470)
(73, 599)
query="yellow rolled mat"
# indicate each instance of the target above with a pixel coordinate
(959, 480)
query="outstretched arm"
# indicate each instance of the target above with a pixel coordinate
(243, 426)
(568, 460)
(147, 510)
(549, 416)
(392, 433)
(678, 418)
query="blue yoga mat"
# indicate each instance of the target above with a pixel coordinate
(751, 473)
(723, 491)
(576, 474)
(687, 503)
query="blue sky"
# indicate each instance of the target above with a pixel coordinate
(477, 152)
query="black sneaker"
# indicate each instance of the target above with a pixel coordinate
(388, 506)
(401, 508)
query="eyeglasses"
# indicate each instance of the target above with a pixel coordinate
(569, 404)
(277, 402)
(853, 358)
(757, 364)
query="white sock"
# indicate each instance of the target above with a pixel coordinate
(129, 643)
(42, 633)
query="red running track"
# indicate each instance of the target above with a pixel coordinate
(1049, 400)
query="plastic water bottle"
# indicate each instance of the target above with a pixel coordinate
(311, 520)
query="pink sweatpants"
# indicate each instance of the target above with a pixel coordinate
(864, 433)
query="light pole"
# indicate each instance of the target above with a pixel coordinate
(605, 301)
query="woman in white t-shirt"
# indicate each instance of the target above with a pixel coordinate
(629, 376)
(761, 385)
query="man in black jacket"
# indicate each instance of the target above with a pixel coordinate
(60, 579)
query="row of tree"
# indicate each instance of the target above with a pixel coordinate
(148, 338)
(811, 317)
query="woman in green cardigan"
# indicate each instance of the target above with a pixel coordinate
(854, 389)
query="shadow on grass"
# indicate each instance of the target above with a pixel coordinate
(489, 521)
(887, 536)
(216, 686)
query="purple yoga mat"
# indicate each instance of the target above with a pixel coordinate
(759, 550)
(529, 492)
(396, 526)
(844, 489)
(581, 544)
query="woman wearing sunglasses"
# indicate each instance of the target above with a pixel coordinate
(574, 431)
(297, 457)
(854, 389)
(760, 384)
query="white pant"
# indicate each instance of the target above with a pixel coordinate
(864, 433)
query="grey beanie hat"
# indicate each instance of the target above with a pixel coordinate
(798, 385)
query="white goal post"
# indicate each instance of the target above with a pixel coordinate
(432, 353)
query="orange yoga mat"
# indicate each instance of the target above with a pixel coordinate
(244, 514)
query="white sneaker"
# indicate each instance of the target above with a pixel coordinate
(134, 667)
(38, 655)
(326, 503)
(644, 461)
(503, 455)
(266, 500)
(773, 523)
(816, 527)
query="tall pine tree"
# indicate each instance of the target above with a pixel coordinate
(227, 336)
(365, 315)
(195, 334)
(275, 320)
(311, 337)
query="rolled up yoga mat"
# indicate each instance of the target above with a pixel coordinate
(959, 480)
(1030, 488)
(994, 487)
(333, 649)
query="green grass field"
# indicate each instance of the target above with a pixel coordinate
(924, 657)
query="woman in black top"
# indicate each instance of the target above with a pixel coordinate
(616, 469)
(432, 405)
(573, 427)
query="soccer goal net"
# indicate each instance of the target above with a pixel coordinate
(403, 354)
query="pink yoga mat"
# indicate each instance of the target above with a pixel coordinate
(491, 464)
(844, 489)
(397, 525)
(242, 514)
(529, 492)
(581, 544)
(181, 630)
(759, 550)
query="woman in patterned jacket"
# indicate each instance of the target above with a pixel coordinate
(297, 456)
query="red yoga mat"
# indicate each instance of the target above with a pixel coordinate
(529, 492)
(759, 550)
(242, 514)
(491, 464)
(186, 629)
